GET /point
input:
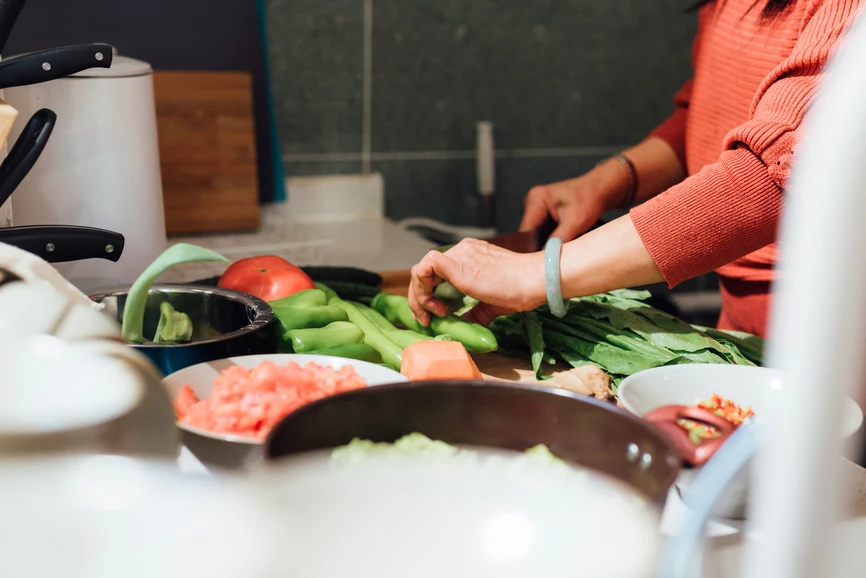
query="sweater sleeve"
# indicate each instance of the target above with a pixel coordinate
(732, 207)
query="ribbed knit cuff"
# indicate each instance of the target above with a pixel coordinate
(722, 213)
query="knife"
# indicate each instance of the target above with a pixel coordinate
(63, 243)
(522, 242)
(25, 152)
(54, 63)
(9, 11)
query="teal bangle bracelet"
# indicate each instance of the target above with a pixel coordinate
(553, 277)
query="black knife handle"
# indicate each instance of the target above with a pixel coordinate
(25, 152)
(54, 63)
(9, 11)
(63, 243)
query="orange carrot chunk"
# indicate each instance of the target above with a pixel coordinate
(430, 359)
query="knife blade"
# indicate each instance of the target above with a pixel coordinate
(64, 243)
(54, 63)
(521, 242)
(9, 11)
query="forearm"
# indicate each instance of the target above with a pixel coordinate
(657, 166)
(610, 257)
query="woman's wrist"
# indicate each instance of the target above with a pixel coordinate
(614, 182)
(534, 291)
(610, 257)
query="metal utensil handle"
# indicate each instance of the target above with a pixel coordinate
(64, 243)
(667, 418)
(26, 151)
(54, 63)
(9, 11)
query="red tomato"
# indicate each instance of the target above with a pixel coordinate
(268, 278)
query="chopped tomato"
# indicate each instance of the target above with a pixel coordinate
(723, 408)
(269, 278)
(249, 402)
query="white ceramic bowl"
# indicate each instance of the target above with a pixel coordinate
(757, 387)
(226, 451)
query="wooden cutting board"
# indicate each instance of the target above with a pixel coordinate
(207, 151)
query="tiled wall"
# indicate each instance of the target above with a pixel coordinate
(396, 86)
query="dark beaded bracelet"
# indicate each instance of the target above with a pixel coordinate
(631, 176)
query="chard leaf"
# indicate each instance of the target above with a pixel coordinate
(136, 300)
(750, 346)
(566, 340)
(532, 326)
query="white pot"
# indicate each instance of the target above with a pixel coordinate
(92, 396)
(100, 167)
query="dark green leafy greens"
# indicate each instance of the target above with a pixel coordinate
(622, 334)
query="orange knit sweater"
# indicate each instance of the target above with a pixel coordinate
(735, 127)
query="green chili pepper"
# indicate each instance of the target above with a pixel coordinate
(392, 354)
(359, 351)
(395, 308)
(337, 333)
(402, 337)
(291, 318)
(475, 337)
(305, 298)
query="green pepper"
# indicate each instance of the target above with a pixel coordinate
(301, 299)
(329, 293)
(337, 333)
(173, 326)
(359, 351)
(291, 318)
(395, 308)
(402, 337)
(475, 337)
(392, 354)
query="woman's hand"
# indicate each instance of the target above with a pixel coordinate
(576, 204)
(503, 281)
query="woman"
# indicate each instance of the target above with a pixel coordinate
(706, 186)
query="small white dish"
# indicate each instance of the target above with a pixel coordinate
(227, 451)
(758, 387)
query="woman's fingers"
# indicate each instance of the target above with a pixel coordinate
(484, 314)
(433, 269)
(536, 209)
(572, 223)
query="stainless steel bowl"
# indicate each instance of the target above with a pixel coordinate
(225, 323)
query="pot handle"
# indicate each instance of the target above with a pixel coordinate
(666, 418)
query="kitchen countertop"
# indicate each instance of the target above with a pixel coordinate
(380, 245)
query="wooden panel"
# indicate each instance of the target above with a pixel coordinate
(207, 151)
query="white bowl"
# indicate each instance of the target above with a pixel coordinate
(757, 387)
(227, 451)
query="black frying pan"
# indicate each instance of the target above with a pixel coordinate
(499, 415)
